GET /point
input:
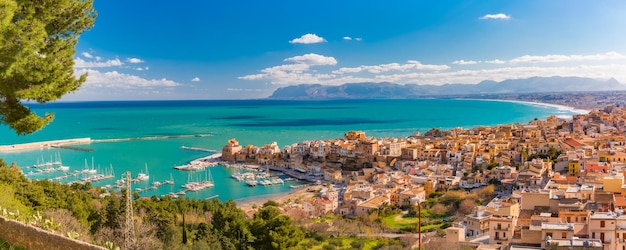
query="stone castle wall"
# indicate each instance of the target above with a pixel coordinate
(31, 237)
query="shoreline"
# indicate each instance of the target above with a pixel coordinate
(544, 104)
(247, 204)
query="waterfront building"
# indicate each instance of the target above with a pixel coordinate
(230, 150)
(354, 135)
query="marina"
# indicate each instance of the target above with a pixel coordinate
(198, 181)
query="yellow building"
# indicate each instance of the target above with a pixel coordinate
(354, 135)
(573, 168)
(613, 183)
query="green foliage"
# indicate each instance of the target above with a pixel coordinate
(37, 41)
(274, 231)
(9, 203)
(385, 210)
(552, 154)
(271, 203)
(77, 211)
(72, 235)
(357, 244)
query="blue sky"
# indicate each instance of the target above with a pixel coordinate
(242, 49)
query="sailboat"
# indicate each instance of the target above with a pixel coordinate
(61, 167)
(195, 186)
(170, 181)
(143, 176)
(88, 170)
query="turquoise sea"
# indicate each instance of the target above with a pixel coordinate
(250, 121)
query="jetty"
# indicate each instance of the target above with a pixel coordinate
(44, 144)
(198, 149)
(72, 148)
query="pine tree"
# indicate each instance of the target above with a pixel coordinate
(37, 40)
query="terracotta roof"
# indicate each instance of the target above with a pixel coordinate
(620, 201)
(573, 143)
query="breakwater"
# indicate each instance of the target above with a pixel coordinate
(43, 144)
(65, 142)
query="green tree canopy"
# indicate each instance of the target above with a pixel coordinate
(37, 40)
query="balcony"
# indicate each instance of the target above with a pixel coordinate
(501, 228)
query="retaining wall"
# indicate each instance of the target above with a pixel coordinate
(30, 237)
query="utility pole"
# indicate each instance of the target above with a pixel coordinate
(419, 225)
(129, 225)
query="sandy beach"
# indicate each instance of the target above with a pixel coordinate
(303, 194)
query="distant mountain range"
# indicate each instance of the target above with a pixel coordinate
(392, 90)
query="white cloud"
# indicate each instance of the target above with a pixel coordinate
(308, 39)
(565, 58)
(313, 59)
(495, 61)
(348, 38)
(195, 79)
(134, 60)
(463, 62)
(501, 16)
(139, 69)
(376, 69)
(80, 63)
(117, 80)
(98, 58)
(86, 55)
(414, 72)
(500, 74)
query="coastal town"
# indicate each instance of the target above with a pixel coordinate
(560, 182)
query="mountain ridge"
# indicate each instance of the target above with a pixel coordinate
(393, 90)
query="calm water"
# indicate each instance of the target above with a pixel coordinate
(250, 121)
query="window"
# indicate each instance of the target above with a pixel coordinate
(593, 235)
(549, 234)
(602, 237)
(564, 235)
(601, 223)
(569, 219)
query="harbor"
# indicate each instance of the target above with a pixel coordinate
(195, 179)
